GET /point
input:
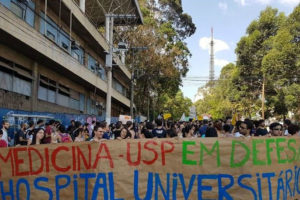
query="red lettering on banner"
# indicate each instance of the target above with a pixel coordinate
(80, 154)
(164, 151)
(18, 161)
(138, 161)
(53, 159)
(146, 146)
(5, 159)
(99, 157)
(31, 149)
(74, 158)
(47, 159)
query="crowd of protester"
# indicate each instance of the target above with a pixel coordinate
(54, 132)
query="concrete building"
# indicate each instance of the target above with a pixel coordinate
(52, 58)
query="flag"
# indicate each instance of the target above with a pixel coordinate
(234, 119)
(167, 116)
(182, 119)
(200, 118)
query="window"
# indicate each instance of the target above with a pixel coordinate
(119, 87)
(23, 10)
(15, 78)
(6, 3)
(61, 38)
(97, 68)
(6, 81)
(17, 9)
(101, 72)
(91, 63)
(78, 54)
(47, 89)
(53, 92)
(29, 15)
(51, 28)
(92, 107)
(64, 41)
(82, 102)
(21, 86)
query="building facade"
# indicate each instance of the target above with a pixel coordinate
(52, 60)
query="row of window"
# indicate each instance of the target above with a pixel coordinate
(53, 92)
(62, 39)
(24, 11)
(52, 31)
(16, 78)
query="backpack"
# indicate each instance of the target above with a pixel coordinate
(65, 138)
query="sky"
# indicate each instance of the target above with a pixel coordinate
(229, 19)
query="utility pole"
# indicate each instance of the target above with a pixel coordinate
(109, 27)
(263, 99)
(109, 23)
(131, 92)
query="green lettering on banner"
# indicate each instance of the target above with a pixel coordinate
(280, 149)
(246, 158)
(292, 149)
(203, 148)
(298, 155)
(269, 150)
(185, 152)
(255, 151)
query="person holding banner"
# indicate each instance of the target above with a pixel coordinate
(130, 128)
(244, 129)
(276, 129)
(98, 134)
(80, 137)
(147, 132)
(37, 137)
(3, 143)
(124, 134)
(159, 131)
(294, 130)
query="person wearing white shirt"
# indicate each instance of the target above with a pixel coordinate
(5, 127)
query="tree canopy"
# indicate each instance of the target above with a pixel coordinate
(268, 55)
(159, 68)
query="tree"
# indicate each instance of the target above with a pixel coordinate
(217, 98)
(281, 65)
(176, 105)
(250, 51)
(165, 62)
(269, 54)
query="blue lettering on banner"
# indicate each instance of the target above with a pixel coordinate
(159, 186)
(38, 187)
(25, 182)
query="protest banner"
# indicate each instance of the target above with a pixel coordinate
(124, 118)
(249, 168)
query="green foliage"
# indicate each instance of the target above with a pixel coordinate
(160, 67)
(176, 105)
(216, 99)
(269, 54)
